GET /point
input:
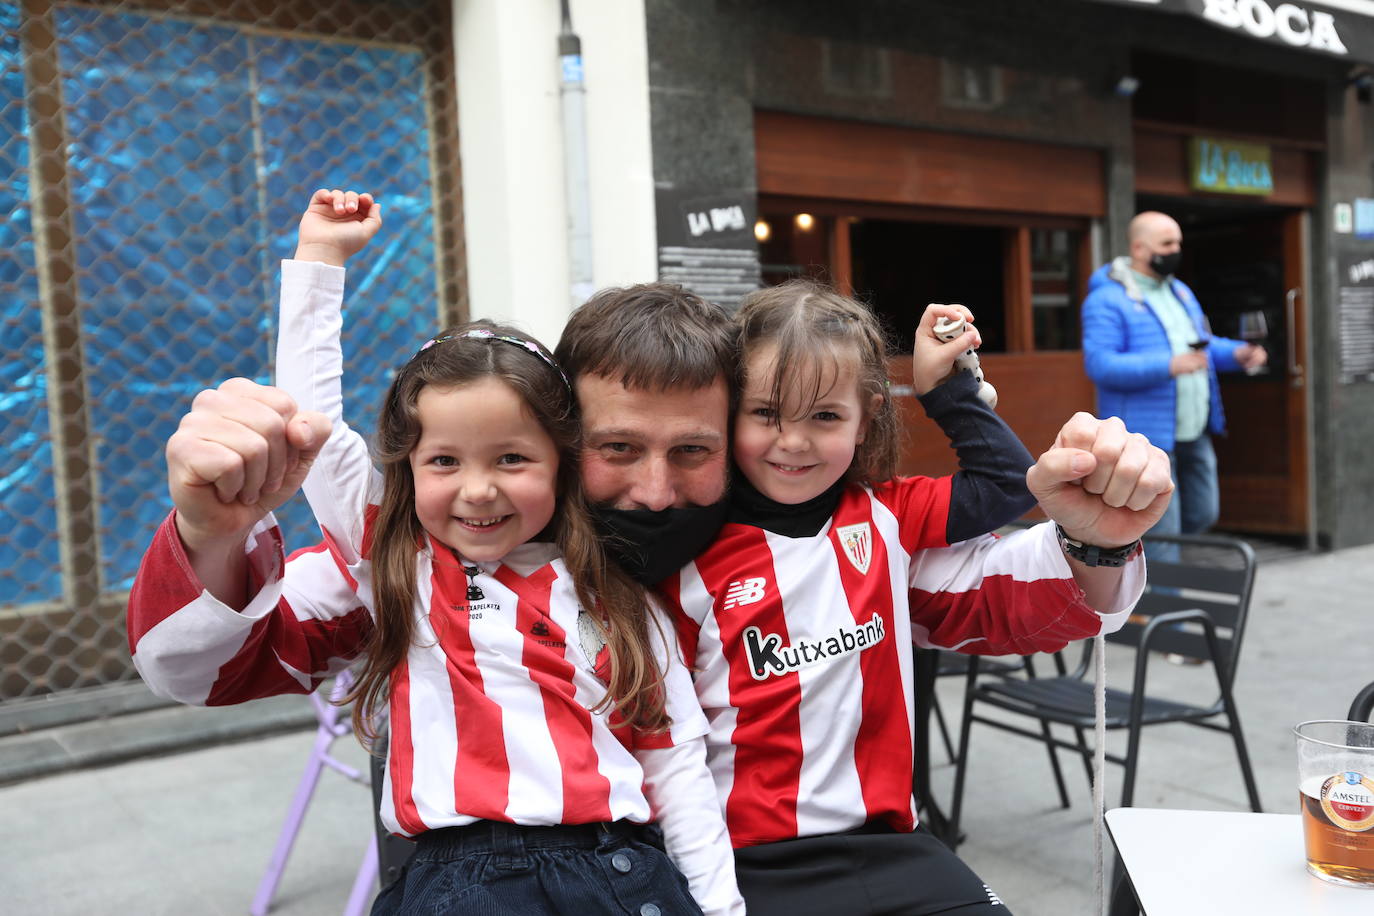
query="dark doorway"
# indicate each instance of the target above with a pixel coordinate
(1238, 259)
(1233, 259)
(901, 266)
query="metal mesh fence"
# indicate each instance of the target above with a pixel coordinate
(154, 159)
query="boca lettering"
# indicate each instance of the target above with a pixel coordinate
(1291, 23)
(1243, 174)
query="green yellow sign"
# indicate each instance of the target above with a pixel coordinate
(1229, 167)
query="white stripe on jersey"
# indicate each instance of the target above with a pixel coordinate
(387, 811)
(888, 530)
(712, 684)
(329, 591)
(536, 789)
(1022, 556)
(435, 741)
(184, 673)
(829, 779)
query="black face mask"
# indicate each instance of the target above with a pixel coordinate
(650, 546)
(1165, 264)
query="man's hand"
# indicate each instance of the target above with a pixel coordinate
(1251, 356)
(1104, 485)
(1192, 361)
(932, 359)
(336, 225)
(241, 452)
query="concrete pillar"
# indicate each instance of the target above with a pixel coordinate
(511, 147)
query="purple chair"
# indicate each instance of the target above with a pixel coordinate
(334, 724)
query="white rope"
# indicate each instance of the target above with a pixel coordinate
(1099, 768)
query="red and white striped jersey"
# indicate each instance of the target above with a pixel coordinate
(490, 713)
(801, 648)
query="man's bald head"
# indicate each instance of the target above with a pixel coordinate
(1151, 233)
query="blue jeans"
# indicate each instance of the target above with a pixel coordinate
(497, 869)
(1197, 501)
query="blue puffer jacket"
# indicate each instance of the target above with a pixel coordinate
(1127, 353)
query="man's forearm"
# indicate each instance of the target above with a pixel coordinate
(1101, 584)
(219, 562)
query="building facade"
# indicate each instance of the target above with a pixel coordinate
(156, 152)
(993, 153)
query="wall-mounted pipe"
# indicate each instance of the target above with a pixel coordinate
(574, 98)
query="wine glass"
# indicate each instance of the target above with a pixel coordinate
(1253, 330)
(1204, 334)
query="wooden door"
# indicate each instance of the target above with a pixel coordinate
(1262, 459)
(901, 217)
(1034, 363)
(1242, 255)
(1037, 393)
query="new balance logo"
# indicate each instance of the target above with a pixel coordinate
(993, 899)
(745, 591)
(768, 656)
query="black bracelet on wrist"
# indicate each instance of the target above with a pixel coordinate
(1092, 555)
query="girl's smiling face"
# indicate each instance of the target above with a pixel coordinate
(485, 470)
(795, 451)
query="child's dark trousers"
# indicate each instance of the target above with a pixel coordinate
(497, 869)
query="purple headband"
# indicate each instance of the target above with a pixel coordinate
(485, 334)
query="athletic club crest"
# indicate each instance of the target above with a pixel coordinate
(857, 541)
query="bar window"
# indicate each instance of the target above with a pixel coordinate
(1055, 285)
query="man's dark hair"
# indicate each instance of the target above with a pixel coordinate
(652, 336)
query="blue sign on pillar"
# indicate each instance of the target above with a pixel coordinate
(1364, 218)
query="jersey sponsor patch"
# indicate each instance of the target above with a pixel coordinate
(768, 656)
(857, 541)
(743, 591)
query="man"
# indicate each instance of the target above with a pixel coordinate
(1147, 348)
(652, 367)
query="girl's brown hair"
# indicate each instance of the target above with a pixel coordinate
(817, 332)
(634, 692)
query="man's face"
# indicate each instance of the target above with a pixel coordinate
(1161, 236)
(653, 449)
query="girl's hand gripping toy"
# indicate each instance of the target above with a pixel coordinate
(949, 329)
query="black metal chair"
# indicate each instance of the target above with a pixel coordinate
(931, 664)
(955, 664)
(1364, 704)
(1208, 587)
(925, 669)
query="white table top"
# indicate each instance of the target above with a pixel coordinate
(1216, 862)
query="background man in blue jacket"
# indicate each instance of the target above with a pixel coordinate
(1148, 349)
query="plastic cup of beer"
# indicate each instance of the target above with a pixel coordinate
(1336, 790)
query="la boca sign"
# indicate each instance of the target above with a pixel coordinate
(1229, 167)
(1286, 22)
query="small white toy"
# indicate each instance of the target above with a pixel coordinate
(951, 328)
